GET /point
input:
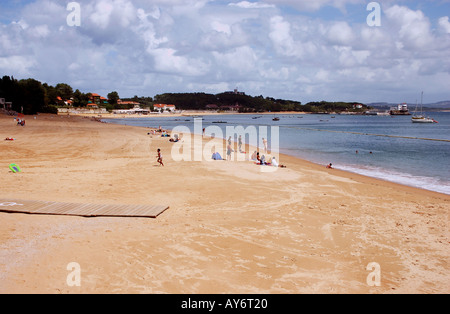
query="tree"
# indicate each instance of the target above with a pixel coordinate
(51, 94)
(80, 99)
(64, 91)
(113, 98)
(9, 88)
(32, 97)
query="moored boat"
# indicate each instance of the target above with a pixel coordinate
(420, 118)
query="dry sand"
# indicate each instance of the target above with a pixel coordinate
(230, 228)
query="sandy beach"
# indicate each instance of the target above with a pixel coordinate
(230, 228)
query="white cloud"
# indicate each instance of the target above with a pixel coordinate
(280, 34)
(252, 5)
(444, 24)
(223, 33)
(40, 31)
(314, 5)
(167, 61)
(340, 33)
(146, 47)
(241, 62)
(221, 27)
(145, 29)
(275, 74)
(18, 65)
(414, 28)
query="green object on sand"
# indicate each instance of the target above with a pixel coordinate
(14, 168)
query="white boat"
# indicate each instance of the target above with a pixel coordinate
(420, 118)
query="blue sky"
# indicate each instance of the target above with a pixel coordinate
(293, 49)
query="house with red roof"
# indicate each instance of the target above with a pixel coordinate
(165, 107)
(128, 103)
(96, 100)
(63, 102)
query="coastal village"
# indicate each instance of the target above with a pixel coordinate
(97, 102)
(31, 96)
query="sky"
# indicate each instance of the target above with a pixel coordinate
(291, 49)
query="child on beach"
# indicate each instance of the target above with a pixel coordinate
(261, 160)
(229, 151)
(160, 157)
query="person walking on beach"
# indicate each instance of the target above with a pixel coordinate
(229, 151)
(160, 159)
(265, 144)
(240, 143)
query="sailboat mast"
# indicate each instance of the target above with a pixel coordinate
(421, 103)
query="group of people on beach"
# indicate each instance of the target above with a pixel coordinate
(260, 160)
(20, 122)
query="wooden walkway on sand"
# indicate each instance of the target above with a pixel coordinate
(83, 210)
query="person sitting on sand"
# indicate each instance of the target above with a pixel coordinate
(175, 139)
(275, 163)
(330, 166)
(263, 160)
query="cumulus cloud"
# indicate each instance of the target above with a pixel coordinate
(146, 47)
(414, 28)
(167, 61)
(444, 24)
(340, 33)
(280, 34)
(237, 63)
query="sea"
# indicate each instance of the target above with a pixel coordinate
(391, 148)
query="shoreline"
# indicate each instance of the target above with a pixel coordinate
(320, 165)
(177, 115)
(229, 228)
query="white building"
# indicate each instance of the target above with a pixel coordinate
(164, 107)
(136, 110)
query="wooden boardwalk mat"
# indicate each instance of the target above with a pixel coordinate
(83, 210)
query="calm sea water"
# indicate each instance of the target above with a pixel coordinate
(389, 147)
